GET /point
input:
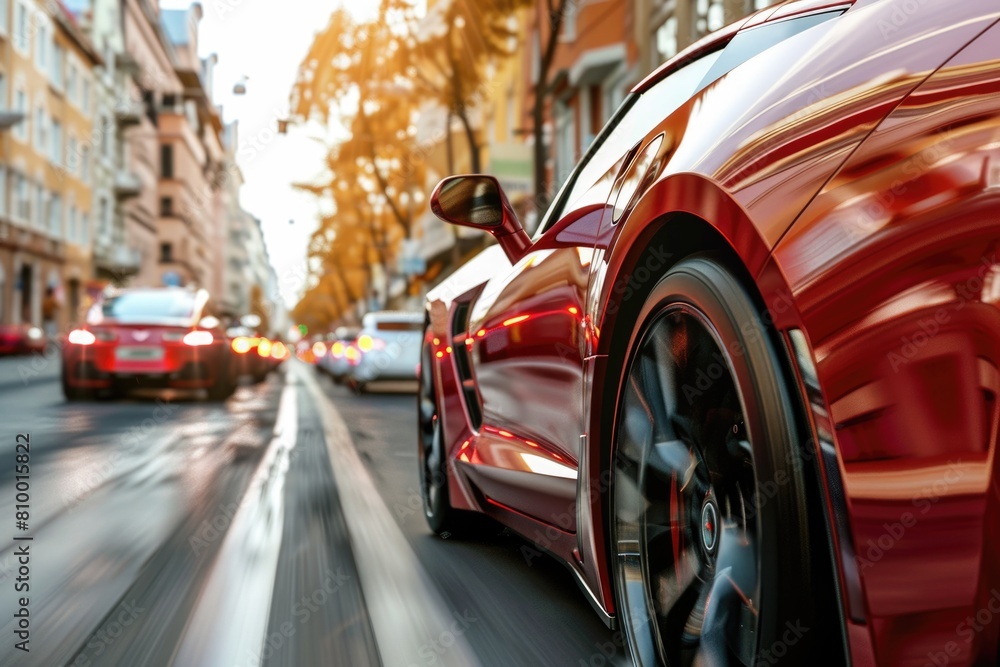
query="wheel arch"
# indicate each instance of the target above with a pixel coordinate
(686, 235)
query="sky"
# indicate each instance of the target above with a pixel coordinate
(265, 42)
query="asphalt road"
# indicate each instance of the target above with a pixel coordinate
(281, 528)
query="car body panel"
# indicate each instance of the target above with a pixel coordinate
(778, 158)
(896, 275)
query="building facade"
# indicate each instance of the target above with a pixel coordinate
(47, 65)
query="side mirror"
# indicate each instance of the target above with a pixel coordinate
(479, 202)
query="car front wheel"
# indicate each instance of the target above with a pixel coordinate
(709, 530)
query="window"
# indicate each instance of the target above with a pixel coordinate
(633, 121)
(640, 114)
(40, 213)
(21, 130)
(104, 223)
(666, 41)
(85, 95)
(169, 101)
(166, 252)
(72, 156)
(756, 40)
(72, 232)
(22, 207)
(58, 64)
(21, 29)
(85, 164)
(167, 161)
(41, 136)
(42, 46)
(709, 16)
(565, 141)
(105, 143)
(71, 83)
(84, 229)
(3, 195)
(55, 216)
(3, 90)
(57, 142)
(4, 25)
(166, 207)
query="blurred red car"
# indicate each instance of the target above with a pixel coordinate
(744, 381)
(21, 339)
(253, 353)
(149, 338)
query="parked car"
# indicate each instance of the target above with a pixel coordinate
(21, 339)
(745, 377)
(149, 338)
(388, 348)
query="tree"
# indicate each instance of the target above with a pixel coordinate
(547, 28)
(374, 181)
(455, 48)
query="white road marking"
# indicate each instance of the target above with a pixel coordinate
(228, 625)
(411, 620)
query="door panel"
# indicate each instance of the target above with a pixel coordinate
(895, 268)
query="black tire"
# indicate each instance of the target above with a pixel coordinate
(441, 517)
(74, 393)
(225, 385)
(710, 535)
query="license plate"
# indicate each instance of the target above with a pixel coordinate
(139, 353)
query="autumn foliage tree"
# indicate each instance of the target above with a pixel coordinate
(457, 44)
(372, 79)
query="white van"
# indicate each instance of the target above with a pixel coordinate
(389, 344)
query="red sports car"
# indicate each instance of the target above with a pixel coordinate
(149, 338)
(744, 378)
(21, 339)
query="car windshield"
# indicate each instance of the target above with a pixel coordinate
(152, 307)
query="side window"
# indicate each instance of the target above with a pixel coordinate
(592, 180)
(749, 43)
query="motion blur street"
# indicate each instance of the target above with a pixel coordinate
(282, 527)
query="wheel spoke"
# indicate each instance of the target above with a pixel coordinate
(683, 474)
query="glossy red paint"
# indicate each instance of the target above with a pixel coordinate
(852, 173)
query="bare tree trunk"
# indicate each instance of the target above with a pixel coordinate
(475, 160)
(546, 56)
(449, 144)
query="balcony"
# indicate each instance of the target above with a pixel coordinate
(9, 119)
(117, 259)
(125, 62)
(127, 185)
(129, 113)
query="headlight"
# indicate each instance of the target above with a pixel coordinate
(319, 348)
(81, 337)
(34, 333)
(241, 345)
(198, 338)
